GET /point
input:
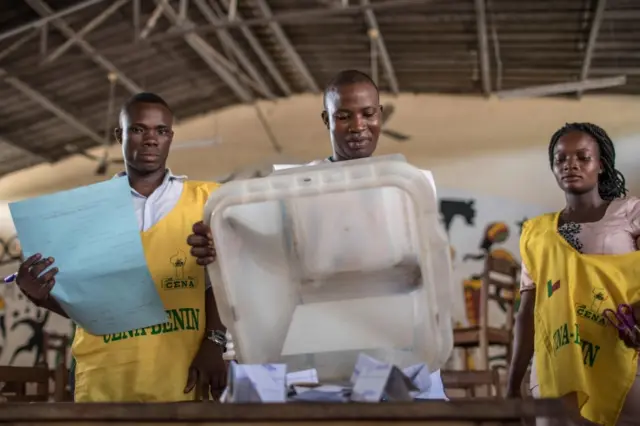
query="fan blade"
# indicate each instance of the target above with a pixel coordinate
(117, 161)
(387, 111)
(396, 135)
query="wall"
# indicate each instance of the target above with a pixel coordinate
(445, 131)
(489, 151)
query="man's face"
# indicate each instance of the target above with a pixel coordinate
(145, 135)
(353, 116)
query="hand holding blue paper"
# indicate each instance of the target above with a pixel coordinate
(103, 282)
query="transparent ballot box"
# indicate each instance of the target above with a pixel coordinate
(317, 264)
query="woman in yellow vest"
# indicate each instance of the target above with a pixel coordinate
(577, 263)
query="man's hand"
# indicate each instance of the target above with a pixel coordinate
(34, 285)
(208, 370)
(201, 242)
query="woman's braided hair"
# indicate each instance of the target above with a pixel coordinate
(611, 183)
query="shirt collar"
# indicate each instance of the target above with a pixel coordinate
(169, 176)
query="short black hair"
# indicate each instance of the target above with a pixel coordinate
(611, 183)
(143, 98)
(346, 78)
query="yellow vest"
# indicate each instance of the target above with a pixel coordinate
(576, 349)
(151, 364)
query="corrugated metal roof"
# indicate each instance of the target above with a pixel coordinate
(433, 46)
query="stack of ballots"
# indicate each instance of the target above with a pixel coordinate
(371, 381)
(325, 264)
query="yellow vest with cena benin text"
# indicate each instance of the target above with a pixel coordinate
(576, 349)
(151, 364)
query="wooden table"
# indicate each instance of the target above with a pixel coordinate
(458, 413)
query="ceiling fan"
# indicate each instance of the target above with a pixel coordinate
(387, 111)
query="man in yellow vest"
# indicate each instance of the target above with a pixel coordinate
(164, 362)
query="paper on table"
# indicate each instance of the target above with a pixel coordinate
(104, 284)
(257, 383)
(426, 384)
(419, 375)
(304, 376)
(322, 394)
(436, 390)
(374, 380)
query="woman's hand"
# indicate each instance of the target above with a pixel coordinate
(632, 340)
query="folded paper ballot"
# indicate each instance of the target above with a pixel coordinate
(256, 383)
(371, 381)
(425, 384)
(305, 376)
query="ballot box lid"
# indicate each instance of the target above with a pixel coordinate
(317, 264)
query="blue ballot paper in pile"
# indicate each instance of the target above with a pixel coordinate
(371, 381)
(256, 383)
(375, 381)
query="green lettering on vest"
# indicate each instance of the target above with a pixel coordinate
(584, 312)
(194, 319)
(562, 336)
(168, 327)
(565, 335)
(589, 352)
(179, 319)
(175, 284)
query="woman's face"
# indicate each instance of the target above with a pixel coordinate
(576, 163)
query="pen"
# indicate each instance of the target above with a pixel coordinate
(11, 278)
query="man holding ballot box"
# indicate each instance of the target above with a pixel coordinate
(167, 361)
(353, 116)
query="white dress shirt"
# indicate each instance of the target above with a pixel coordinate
(149, 210)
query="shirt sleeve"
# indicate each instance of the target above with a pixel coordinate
(526, 282)
(633, 215)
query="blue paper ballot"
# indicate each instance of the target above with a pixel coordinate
(104, 284)
(372, 379)
(436, 389)
(257, 383)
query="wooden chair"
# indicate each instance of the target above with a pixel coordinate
(59, 345)
(500, 282)
(14, 381)
(472, 379)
